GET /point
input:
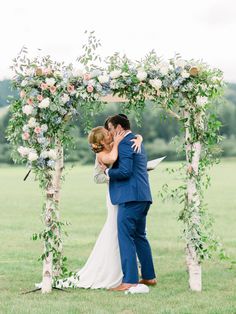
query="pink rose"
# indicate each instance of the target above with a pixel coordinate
(70, 88)
(87, 76)
(43, 86)
(40, 97)
(53, 89)
(25, 136)
(22, 94)
(90, 88)
(30, 101)
(37, 130)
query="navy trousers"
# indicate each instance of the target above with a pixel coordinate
(132, 240)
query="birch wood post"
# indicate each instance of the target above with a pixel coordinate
(52, 213)
(193, 151)
(48, 260)
(59, 165)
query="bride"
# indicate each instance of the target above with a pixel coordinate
(103, 267)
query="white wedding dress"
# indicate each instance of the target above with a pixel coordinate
(103, 267)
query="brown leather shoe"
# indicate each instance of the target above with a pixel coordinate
(123, 287)
(148, 282)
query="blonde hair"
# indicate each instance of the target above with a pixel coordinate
(95, 137)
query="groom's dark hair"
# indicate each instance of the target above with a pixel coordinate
(121, 119)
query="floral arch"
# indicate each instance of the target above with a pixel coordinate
(50, 95)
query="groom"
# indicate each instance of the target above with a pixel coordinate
(129, 188)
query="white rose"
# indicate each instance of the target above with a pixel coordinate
(141, 75)
(44, 154)
(58, 74)
(113, 84)
(52, 154)
(44, 127)
(32, 156)
(185, 74)
(23, 151)
(44, 103)
(27, 109)
(32, 123)
(95, 73)
(65, 98)
(180, 63)
(115, 74)
(50, 81)
(156, 83)
(25, 128)
(24, 83)
(103, 79)
(78, 72)
(163, 67)
(201, 100)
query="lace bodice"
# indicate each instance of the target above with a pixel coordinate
(99, 176)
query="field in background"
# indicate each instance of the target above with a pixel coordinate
(83, 205)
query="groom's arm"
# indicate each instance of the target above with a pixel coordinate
(125, 168)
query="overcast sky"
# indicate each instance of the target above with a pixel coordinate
(203, 29)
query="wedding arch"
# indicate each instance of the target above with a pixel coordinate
(50, 95)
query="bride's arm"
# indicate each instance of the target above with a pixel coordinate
(110, 158)
(137, 142)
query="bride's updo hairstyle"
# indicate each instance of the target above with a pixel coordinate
(95, 137)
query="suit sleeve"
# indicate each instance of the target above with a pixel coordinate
(125, 168)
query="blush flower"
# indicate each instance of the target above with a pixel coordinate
(70, 88)
(89, 88)
(22, 94)
(53, 89)
(44, 86)
(25, 136)
(30, 101)
(37, 130)
(87, 76)
(40, 97)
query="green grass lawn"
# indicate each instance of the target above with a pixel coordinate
(83, 205)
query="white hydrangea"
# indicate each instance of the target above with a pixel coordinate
(23, 151)
(50, 81)
(44, 103)
(103, 79)
(180, 63)
(44, 154)
(32, 155)
(115, 74)
(156, 83)
(27, 109)
(78, 72)
(201, 100)
(65, 98)
(52, 154)
(185, 74)
(141, 75)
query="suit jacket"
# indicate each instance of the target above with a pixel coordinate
(128, 175)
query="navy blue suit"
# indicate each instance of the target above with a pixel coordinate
(129, 188)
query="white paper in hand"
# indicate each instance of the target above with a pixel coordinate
(151, 164)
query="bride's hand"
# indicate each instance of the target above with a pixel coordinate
(137, 142)
(118, 137)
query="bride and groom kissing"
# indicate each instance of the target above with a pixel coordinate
(121, 162)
